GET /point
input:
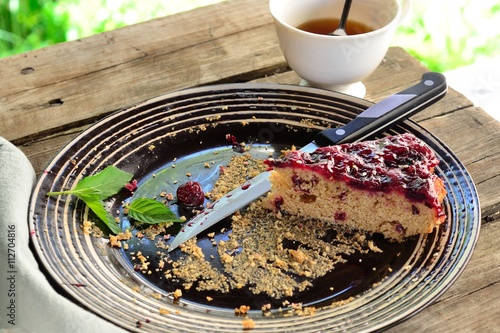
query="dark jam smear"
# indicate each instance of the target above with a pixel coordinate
(401, 162)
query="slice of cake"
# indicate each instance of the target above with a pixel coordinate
(383, 186)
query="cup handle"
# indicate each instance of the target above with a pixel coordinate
(405, 10)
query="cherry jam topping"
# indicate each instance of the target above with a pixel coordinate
(401, 162)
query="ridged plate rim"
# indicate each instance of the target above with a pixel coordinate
(72, 259)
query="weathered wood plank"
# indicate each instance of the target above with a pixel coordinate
(83, 96)
(396, 72)
(100, 93)
(40, 152)
(472, 303)
(129, 44)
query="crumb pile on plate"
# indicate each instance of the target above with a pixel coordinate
(277, 256)
(277, 245)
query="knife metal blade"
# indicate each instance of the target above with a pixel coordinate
(376, 118)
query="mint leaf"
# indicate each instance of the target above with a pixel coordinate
(97, 206)
(94, 189)
(151, 211)
(100, 186)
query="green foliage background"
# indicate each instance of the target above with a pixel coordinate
(25, 25)
(443, 34)
(447, 34)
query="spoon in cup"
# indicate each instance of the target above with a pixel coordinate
(340, 31)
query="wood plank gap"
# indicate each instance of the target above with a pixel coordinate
(58, 131)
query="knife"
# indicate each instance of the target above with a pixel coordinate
(376, 118)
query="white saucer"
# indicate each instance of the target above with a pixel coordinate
(356, 89)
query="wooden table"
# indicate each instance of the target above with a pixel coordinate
(48, 96)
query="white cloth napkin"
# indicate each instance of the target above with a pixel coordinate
(28, 303)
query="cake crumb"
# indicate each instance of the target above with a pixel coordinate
(243, 309)
(87, 227)
(373, 247)
(115, 240)
(266, 307)
(177, 293)
(248, 324)
(342, 302)
(298, 256)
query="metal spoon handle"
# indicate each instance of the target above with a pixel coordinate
(345, 13)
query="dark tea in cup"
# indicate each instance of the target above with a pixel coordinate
(326, 26)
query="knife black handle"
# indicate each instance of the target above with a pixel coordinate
(388, 112)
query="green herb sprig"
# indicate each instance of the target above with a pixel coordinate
(151, 211)
(93, 190)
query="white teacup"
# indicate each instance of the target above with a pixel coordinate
(336, 63)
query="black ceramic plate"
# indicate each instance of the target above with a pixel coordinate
(189, 127)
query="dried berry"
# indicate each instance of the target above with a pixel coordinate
(190, 194)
